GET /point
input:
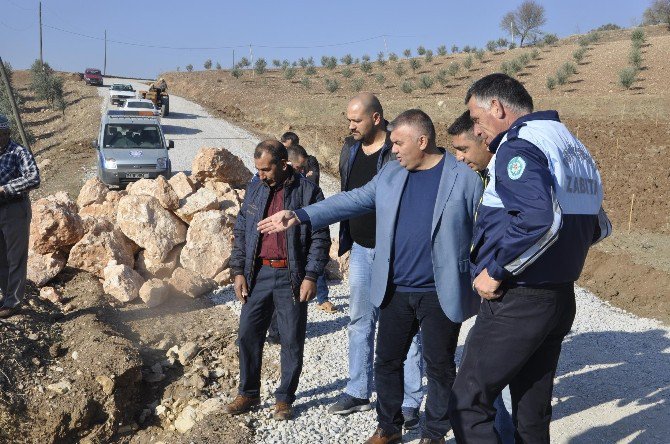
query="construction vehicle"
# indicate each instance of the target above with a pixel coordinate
(158, 95)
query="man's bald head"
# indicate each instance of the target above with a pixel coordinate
(368, 103)
(366, 117)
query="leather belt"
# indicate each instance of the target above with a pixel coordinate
(275, 263)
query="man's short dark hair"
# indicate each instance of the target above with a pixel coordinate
(290, 135)
(462, 124)
(274, 148)
(295, 151)
(507, 90)
(416, 119)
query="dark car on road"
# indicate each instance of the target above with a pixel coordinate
(93, 76)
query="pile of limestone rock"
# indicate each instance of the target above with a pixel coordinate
(156, 239)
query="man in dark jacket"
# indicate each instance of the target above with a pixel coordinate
(274, 272)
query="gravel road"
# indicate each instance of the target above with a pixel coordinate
(612, 384)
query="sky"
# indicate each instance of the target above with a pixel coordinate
(146, 38)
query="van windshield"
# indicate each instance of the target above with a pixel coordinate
(127, 135)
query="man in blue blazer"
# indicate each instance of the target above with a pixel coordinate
(425, 203)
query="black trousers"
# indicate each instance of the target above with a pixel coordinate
(272, 292)
(516, 340)
(399, 320)
(14, 233)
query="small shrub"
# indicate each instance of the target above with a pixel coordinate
(454, 49)
(479, 54)
(380, 59)
(467, 49)
(207, 64)
(535, 54)
(627, 77)
(244, 62)
(235, 72)
(562, 77)
(637, 36)
(579, 54)
(635, 58)
(512, 46)
(357, 84)
(407, 87)
(347, 59)
(569, 68)
(357, 61)
(325, 60)
(550, 39)
(442, 76)
(289, 73)
(400, 70)
(393, 57)
(421, 50)
(332, 85)
(502, 43)
(453, 69)
(379, 78)
(365, 58)
(328, 62)
(310, 61)
(276, 63)
(506, 68)
(428, 56)
(347, 72)
(407, 53)
(310, 70)
(218, 66)
(366, 66)
(609, 27)
(303, 62)
(551, 83)
(442, 50)
(524, 59)
(467, 63)
(260, 66)
(414, 64)
(491, 45)
(285, 64)
(189, 67)
(426, 82)
(306, 83)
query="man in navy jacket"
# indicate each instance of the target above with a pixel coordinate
(540, 213)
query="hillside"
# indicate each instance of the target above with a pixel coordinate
(627, 131)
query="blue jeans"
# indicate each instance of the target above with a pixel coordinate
(361, 331)
(321, 289)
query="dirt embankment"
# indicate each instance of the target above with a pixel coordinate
(627, 132)
(89, 369)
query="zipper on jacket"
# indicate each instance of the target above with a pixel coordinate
(288, 258)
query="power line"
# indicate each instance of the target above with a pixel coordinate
(178, 48)
(20, 7)
(15, 29)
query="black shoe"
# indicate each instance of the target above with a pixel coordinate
(411, 418)
(273, 340)
(431, 441)
(348, 404)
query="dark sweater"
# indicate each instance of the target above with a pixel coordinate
(364, 168)
(412, 258)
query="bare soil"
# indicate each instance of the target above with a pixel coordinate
(98, 351)
(627, 131)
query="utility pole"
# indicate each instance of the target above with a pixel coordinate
(386, 47)
(511, 27)
(251, 55)
(104, 67)
(233, 59)
(12, 102)
(40, 13)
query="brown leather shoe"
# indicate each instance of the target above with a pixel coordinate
(283, 411)
(241, 404)
(431, 441)
(8, 312)
(381, 437)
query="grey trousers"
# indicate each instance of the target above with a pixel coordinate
(14, 233)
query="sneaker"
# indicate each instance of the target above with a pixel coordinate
(348, 404)
(328, 307)
(241, 404)
(282, 412)
(411, 416)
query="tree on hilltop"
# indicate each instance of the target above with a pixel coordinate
(658, 13)
(526, 20)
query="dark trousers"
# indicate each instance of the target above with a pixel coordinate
(14, 233)
(516, 340)
(272, 292)
(399, 320)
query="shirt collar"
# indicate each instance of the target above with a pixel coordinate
(538, 115)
